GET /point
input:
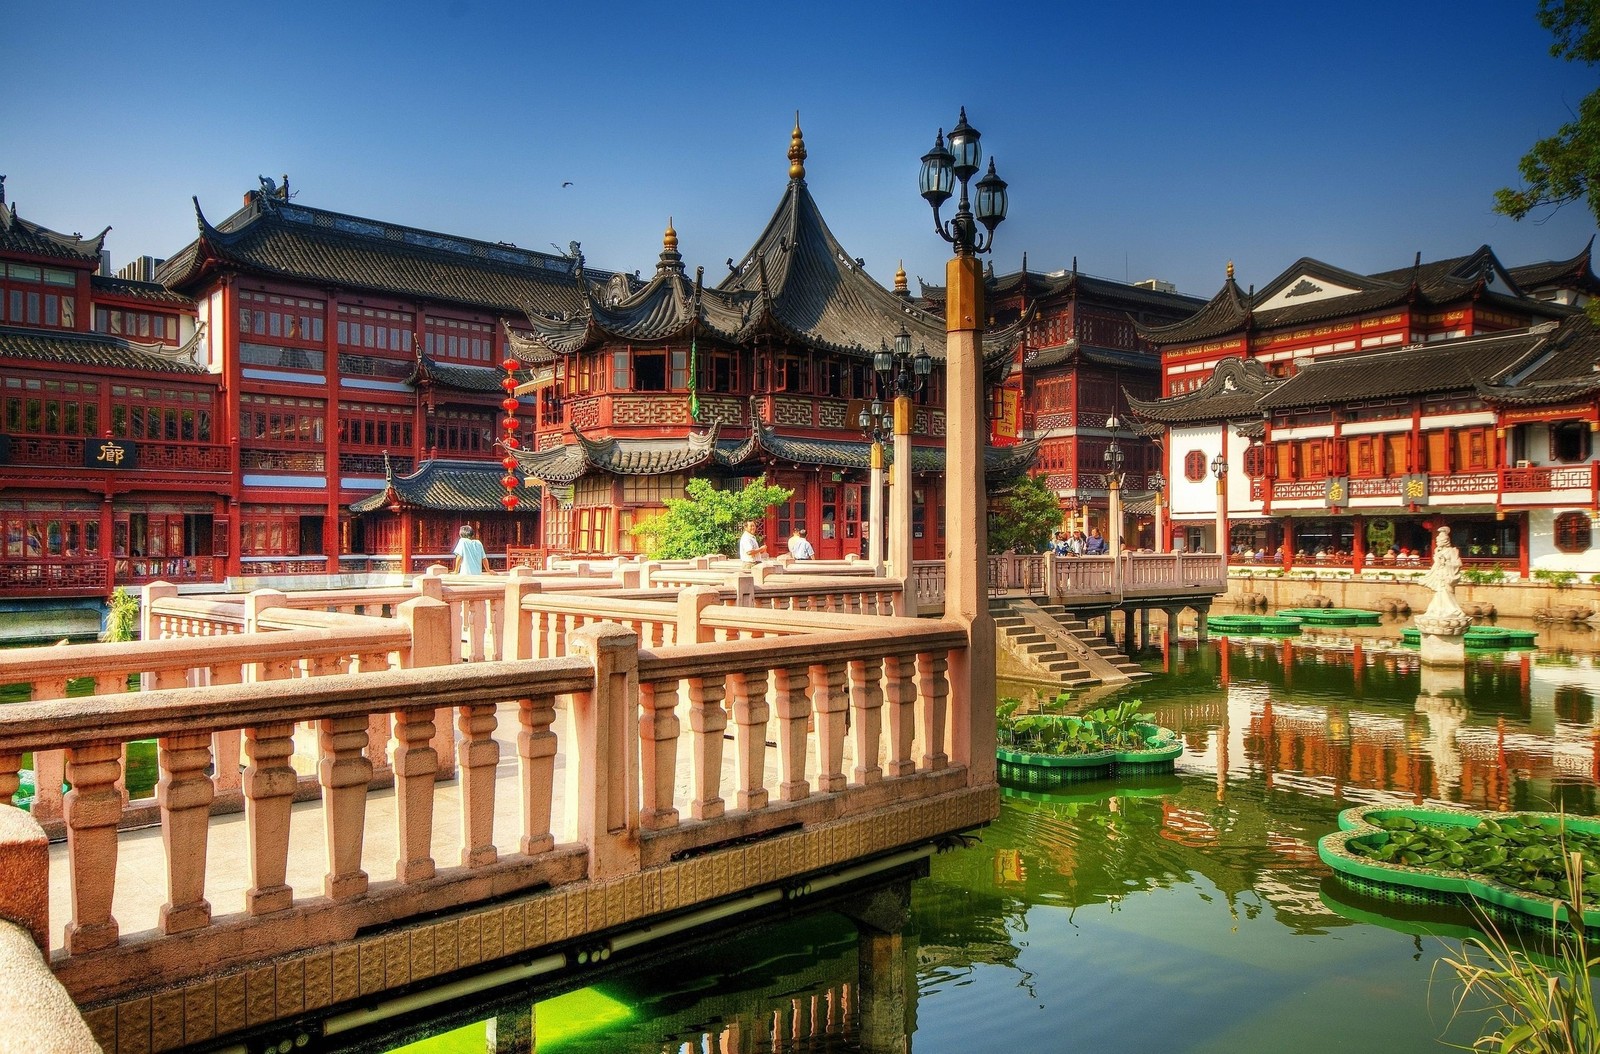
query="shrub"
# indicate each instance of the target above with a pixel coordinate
(1559, 579)
(122, 622)
(1475, 576)
(1118, 727)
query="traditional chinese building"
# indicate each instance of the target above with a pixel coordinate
(114, 466)
(363, 361)
(1082, 356)
(763, 374)
(1338, 419)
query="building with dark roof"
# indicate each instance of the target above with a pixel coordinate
(1348, 439)
(763, 374)
(114, 461)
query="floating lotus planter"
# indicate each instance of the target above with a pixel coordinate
(1514, 863)
(1044, 750)
(1483, 638)
(1277, 625)
(1333, 616)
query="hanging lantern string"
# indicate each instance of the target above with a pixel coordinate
(508, 442)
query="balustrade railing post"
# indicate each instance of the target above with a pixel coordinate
(900, 699)
(659, 728)
(25, 858)
(791, 690)
(416, 767)
(428, 618)
(185, 793)
(607, 747)
(149, 625)
(536, 751)
(830, 704)
(269, 785)
(933, 688)
(692, 603)
(517, 638)
(93, 806)
(866, 707)
(478, 756)
(344, 773)
(707, 720)
(748, 696)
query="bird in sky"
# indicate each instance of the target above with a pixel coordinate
(568, 183)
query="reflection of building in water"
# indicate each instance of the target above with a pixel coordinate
(1348, 717)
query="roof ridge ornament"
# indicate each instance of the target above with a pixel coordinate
(797, 152)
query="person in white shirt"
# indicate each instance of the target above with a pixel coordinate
(750, 547)
(470, 556)
(800, 547)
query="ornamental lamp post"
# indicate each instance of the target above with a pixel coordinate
(1158, 483)
(1115, 459)
(901, 374)
(972, 672)
(1219, 468)
(877, 426)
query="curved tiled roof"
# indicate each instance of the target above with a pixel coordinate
(447, 485)
(1561, 369)
(624, 457)
(99, 351)
(126, 287)
(461, 378)
(18, 235)
(1227, 312)
(857, 454)
(270, 236)
(1578, 271)
(1418, 369)
(1234, 390)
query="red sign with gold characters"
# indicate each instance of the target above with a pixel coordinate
(1578, 412)
(1008, 419)
(119, 455)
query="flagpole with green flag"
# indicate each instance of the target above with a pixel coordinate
(694, 379)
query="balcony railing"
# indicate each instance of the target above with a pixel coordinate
(55, 576)
(159, 455)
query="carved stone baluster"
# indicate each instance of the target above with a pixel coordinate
(49, 766)
(477, 756)
(226, 746)
(269, 783)
(900, 698)
(416, 764)
(933, 688)
(184, 793)
(542, 630)
(866, 708)
(10, 766)
(494, 628)
(93, 806)
(791, 696)
(536, 747)
(344, 773)
(707, 719)
(748, 694)
(830, 703)
(659, 728)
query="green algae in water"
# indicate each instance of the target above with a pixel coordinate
(559, 1020)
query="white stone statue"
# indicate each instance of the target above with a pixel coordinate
(1442, 578)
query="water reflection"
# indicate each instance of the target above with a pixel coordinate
(1184, 914)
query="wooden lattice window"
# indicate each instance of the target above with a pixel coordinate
(1573, 532)
(1194, 466)
(1255, 461)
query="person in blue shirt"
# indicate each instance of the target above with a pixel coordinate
(470, 556)
(1096, 545)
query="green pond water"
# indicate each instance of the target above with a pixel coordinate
(1179, 914)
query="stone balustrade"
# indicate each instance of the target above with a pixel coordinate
(860, 709)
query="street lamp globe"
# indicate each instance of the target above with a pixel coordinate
(1219, 467)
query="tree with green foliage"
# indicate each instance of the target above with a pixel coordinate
(708, 521)
(122, 619)
(1566, 166)
(1024, 517)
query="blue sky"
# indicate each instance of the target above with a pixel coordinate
(1146, 139)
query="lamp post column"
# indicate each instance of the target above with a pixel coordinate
(972, 672)
(1222, 515)
(900, 507)
(1114, 526)
(875, 511)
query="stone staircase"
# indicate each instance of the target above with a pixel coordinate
(1046, 638)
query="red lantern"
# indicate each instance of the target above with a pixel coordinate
(510, 443)
(509, 422)
(509, 405)
(510, 502)
(510, 365)
(508, 481)
(508, 462)
(509, 383)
